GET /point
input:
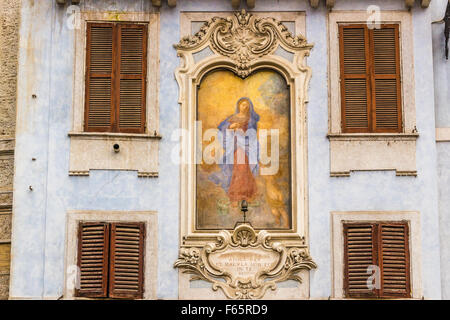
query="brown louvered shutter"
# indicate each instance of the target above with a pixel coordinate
(360, 252)
(386, 79)
(93, 246)
(116, 73)
(381, 244)
(132, 77)
(394, 257)
(370, 79)
(355, 78)
(127, 260)
(99, 114)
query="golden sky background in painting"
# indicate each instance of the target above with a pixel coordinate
(219, 92)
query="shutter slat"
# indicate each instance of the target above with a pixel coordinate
(386, 103)
(101, 49)
(132, 82)
(126, 268)
(99, 103)
(354, 51)
(384, 51)
(131, 103)
(356, 103)
(93, 259)
(357, 259)
(395, 262)
(132, 51)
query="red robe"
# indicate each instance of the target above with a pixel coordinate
(243, 184)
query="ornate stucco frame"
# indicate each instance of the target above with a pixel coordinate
(296, 73)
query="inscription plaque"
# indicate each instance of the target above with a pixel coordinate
(244, 264)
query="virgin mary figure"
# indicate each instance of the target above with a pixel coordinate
(239, 164)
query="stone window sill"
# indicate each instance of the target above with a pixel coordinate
(373, 136)
(372, 152)
(114, 135)
(94, 151)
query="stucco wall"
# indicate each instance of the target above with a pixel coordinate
(9, 44)
(378, 190)
(443, 149)
(46, 70)
(442, 107)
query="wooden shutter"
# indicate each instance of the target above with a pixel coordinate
(355, 78)
(116, 73)
(132, 77)
(394, 258)
(370, 79)
(383, 244)
(360, 252)
(385, 80)
(127, 260)
(99, 114)
(93, 246)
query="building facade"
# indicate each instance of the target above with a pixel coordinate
(119, 187)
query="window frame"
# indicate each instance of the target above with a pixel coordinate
(372, 151)
(80, 71)
(150, 265)
(338, 218)
(406, 53)
(92, 150)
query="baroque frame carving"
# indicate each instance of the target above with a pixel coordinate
(243, 43)
(210, 263)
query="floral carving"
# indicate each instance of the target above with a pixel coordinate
(277, 263)
(243, 38)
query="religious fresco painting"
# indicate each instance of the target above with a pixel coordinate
(255, 110)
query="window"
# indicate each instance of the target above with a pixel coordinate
(382, 244)
(110, 260)
(370, 79)
(116, 72)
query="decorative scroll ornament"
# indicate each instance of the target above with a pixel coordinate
(244, 264)
(243, 38)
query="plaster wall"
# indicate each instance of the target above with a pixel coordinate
(442, 113)
(46, 70)
(378, 190)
